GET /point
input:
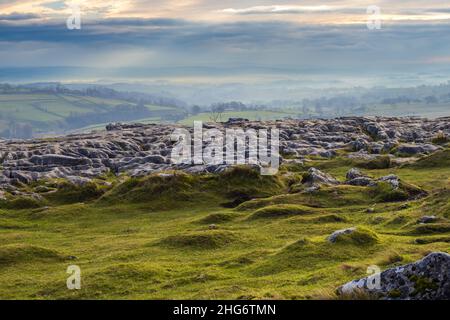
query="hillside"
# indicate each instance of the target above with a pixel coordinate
(140, 227)
(25, 112)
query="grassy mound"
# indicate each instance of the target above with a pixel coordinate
(243, 183)
(438, 202)
(217, 218)
(68, 193)
(383, 162)
(428, 240)
(13, 254)
(432, 228)
(439, 159)
(200, 240)
(133, 272)
(399, 220)
(162, 189)
(384, 192)
(326, 197)
(328, 218)
(19, 203)
(281, 210)
(361, 237)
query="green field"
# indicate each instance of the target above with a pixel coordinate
(47, 112)
(411, 109)
(181, 236)
(259, 115)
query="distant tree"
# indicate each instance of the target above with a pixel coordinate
(216, 112)
(196, 110)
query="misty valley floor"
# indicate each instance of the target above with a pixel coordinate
(187, 237)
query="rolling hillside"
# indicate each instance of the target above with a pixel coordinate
(25, 114)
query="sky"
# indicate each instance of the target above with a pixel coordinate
(245, 40)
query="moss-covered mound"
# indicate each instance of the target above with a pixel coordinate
(360, 236)
(67, 193)
(22, 202)
(243, 183)
(200, 240)
(158, 188)
(217, 218)
(439, 159)
(281, 210)
(23, 253)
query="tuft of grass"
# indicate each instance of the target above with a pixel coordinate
(390, 258)
(440, 138)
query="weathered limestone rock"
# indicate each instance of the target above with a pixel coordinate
(335, 235)
(426, 279)
(139, 149)
(317, 177)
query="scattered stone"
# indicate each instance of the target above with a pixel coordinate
(335, 235)
(414, 149)
(317, 177)
(370, 210)
(427, 219)
(353, 174)
(392, 179)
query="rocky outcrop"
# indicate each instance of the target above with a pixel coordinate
(315, 177)
(426, 279)
(139, 149)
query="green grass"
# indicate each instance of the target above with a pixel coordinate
(150, 237)
(250, 115)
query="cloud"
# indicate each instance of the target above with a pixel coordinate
(279, 9)
(15, 16)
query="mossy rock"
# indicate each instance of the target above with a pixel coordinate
(360, 236)
(384, 192)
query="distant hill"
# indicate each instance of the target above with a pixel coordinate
(31, 110)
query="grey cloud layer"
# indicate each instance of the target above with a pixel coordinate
(268, 44)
